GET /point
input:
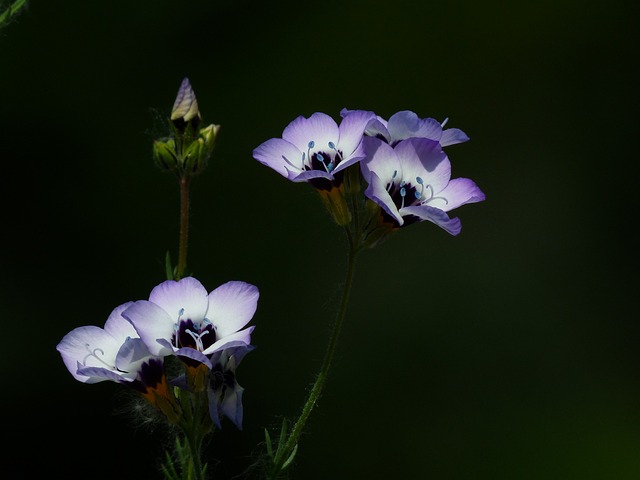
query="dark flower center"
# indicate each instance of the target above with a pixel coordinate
(198, 336)
(149, 375)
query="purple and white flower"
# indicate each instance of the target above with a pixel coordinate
(224, 392)
(412, 182)
(316, 149)
(181, 318)
(115, 352)
(406, 124)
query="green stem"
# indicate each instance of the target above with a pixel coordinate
(195, 446)
(184, 227)
(284, 453)
(195, 428)
(11, 10)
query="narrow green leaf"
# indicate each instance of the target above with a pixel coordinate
(283, 432)
(291, 457)
(169, 469)
(267, 441)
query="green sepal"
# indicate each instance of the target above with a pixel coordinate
(165, 155)
(195, 158)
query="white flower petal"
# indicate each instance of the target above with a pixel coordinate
(231, 307)
(152, 323)
(183, 299)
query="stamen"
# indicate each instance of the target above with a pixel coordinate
(320, 158)
(444, 122)
(177, 325)
(421, 183)
(310, 145)
(332, 146)
(403, 193)
(395, 172)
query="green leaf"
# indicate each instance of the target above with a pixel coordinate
(291, 457)
(169, 469)
(267, 441)
(283, 432)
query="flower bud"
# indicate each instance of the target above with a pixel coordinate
(164, 155)
(185, 108)
(209, 135)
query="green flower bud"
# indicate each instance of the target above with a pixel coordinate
(195, 158)
(164, 155)
(209, 135)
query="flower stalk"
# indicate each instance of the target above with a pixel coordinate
(286, 451)
(184, 228)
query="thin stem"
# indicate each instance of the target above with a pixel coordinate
(11, 11)
(194, 450)
(184, 227)
(292, 441)
(195, 428)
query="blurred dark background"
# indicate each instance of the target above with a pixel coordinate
(508, 352)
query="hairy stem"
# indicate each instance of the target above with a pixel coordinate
(184, 227)
(284, 453)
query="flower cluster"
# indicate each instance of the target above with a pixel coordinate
(401, 161)
(205, 331)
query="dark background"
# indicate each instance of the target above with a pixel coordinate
(508, 352)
